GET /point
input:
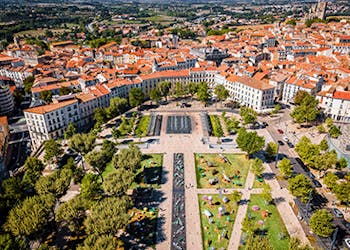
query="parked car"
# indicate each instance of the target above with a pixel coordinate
(265, 124)
(311, 175)
(346, 224)
(347, 242)
(77, 159)
(281, 143)
(280, 131)
(286, 139)
(303, 166)
(317, 183)
(337, 213)
(290, 144)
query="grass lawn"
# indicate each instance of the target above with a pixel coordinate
(216, 125)
(142, 126)
(273, 224)
(150, 172)
(236, 170)
(143, 226)
(217, 233)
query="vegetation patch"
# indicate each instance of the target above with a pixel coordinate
(142, 126)
(217, 214)
(221, 170)
(216, 125)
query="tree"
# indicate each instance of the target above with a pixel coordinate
(285, 167)
(52, 150)
(118, 182)
(307, 110)
(307, 151)
(271, 149)
(249, 142)
(277, 108)
(82, 142)
(256, 242)
(155, 95)
(321, 223)
(64, 91)
(46, 95)
(29, 218)
(329, 122)
(203, 94)
(89, 186)
(56, 184)
(324, 145)
(221, 92)
(28, 84)
(248, 115)
(129, 159)
(108, 216)
(164, 88)
(341, 164)
(179, 89)
(326, 161)
(266, 194)
(342, 191)
(33, 168)
(236, 196)
(96, 160)
(136, 97)
(291, 22)
(300, 186)
(334, 131)
(72, 213)
(70, 131)
(192, 88)
(116, 107)
(108, 149)
(100, 115)
(101, 242)
(300, 96)
(330, 180)
(321, 129)
(257, 167)
(294, 244)
(12, 192)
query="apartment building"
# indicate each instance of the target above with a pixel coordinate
(50, 121)
(250, 92)
(6, 98)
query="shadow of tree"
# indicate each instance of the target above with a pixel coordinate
(269, 176)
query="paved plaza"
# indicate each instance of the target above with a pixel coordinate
(188, 145)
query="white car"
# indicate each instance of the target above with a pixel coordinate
(347, 242)
(286, 139)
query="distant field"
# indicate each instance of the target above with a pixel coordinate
(41, 32)
(160, 19)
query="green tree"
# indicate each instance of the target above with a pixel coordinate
(82, 142)
(321, 223)
(100, 115)
(248, 115)
(70, 131)
(12, 192)
(129, 159)
(236, 196)
(155, 95)
(108, 149)
(64, 91)
(300, 186)
(342, 191)
(96, 160)
(249, 142)
(329, 122)
(179, 89)
(108, 216)
(73, 213)
(334, 131)
(307, 110)
(33, 167)
(266, 194)
(330, 180)
(46, 95)
(321, 129)
(294, 244)
(116, 107)
(256, 242)
(341, 164)
(203, 93)
(307, 151)
(271, 149)
(277, 108)
(29, 218)
(28, 84)
(291, 22)
(324, 145)
(326, 161)
(299, 97)
(257, 167)
(89, 186)
(101, 242)
(136, 97)
(221, 92)
(192, 88)
(52, 150)
(164, 88)
(118, 182)
(285, 167)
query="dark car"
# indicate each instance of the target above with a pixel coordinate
(303, 166)
(290, 144)
(337, 213)
(317, 183)
(281, 143)
(280, 131)
(265, 124)
(346, 224)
